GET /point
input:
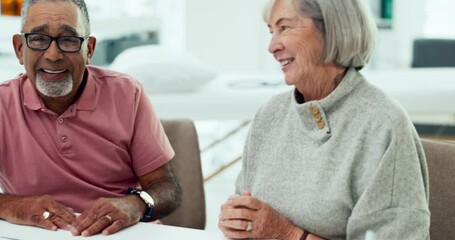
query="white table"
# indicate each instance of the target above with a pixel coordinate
(228, 96)
(138, 231)
(427, 94)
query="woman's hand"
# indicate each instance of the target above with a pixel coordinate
(243, 216)
(109, 215)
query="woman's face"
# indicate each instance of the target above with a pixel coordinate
(296, 43)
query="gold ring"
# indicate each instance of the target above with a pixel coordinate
(46, 215)
(109, 218)
(249, 227)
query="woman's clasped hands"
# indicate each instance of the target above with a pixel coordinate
(244, 216)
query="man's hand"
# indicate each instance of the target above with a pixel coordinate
(30, 211)
(109, 215)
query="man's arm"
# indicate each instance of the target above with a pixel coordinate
(165, 190)
(30, 211)
(109, 215)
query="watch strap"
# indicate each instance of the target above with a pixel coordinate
(148, 215)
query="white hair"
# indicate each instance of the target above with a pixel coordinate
(347, 26)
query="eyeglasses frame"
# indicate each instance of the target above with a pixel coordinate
(56, 39)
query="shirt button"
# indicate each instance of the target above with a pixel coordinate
(64, 138)
(321, 125)
(314, 109)
(60, 120)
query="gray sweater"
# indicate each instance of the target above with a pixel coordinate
(340, 166)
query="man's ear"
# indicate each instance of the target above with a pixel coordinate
(90, 48)
(18, 43)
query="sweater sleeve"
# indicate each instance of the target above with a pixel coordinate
(240, 184)
(244, 180)
(395, 203)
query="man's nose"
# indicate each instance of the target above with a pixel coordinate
(53, 53)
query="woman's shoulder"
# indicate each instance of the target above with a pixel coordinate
(378, 104)
(275, 107)
(278, 102)
(280, 99)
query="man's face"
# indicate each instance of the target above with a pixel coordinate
(54, 73)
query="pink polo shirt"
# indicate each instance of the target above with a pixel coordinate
(97, 148)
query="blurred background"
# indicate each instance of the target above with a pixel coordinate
(207, 60)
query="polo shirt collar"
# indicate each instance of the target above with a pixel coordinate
(86, 102)
(89, 97)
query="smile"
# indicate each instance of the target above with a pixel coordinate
(286, 62)
(53, 71)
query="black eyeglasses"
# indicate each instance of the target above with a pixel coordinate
(41, 42)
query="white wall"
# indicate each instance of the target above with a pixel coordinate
(408, 24)
(394, 47)
(440, 19)
(172, 30)
(9, 26)
(230, 35)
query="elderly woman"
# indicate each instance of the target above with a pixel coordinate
(335, 158)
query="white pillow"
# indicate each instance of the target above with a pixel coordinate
(163, 69)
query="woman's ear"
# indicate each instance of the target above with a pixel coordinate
(18, 43)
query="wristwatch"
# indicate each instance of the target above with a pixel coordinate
(148, 200)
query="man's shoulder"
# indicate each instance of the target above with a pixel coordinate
(101, 72)
(111, 77)
(10, 91)
(9, 83)
(6, 83)
(113, 81)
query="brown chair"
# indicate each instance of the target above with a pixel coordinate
(441, 167)
(187, 168)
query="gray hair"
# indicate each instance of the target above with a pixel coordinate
(79, 3)
(348, 29)
(347, 26)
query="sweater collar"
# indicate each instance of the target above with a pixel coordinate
(315, 115)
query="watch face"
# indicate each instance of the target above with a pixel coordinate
(147, 198)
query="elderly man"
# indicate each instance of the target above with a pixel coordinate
(76, 138)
